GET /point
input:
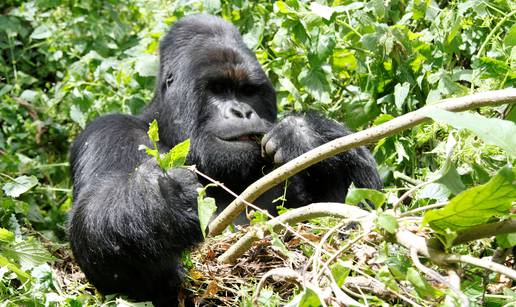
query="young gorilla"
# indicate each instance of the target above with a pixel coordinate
(131, 221)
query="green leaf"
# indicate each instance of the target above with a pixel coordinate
(387, 222)
(423, 288)
(506, 240)
(30, 253)
(476, 205)
(153, 131)
(356, 196)
(307, 298)
(206, 207)
(316, 84)
(77, 116)
(503, 136)
(321, 10)
(6, 235)
(176, 157)
(147, 65)
(400, 94)
(451, 180)
(340, 272)
(41, 32)
(19, 185)
(510, 38)
(22, 276)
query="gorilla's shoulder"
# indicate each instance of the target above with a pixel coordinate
(117, 120)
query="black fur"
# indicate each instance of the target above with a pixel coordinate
(131, 221)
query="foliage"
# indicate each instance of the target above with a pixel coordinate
(63, 63)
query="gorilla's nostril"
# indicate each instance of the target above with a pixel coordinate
(237, 113)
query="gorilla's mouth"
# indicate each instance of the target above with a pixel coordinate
(254, 137)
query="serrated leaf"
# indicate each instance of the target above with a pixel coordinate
(503, 136)
(476, 205)
(206, 207)
(31, 254)
(356, 196)
(153, 132)
(315, 84)
(22, 276)
(19, 185)
(176, 157)
(387, 222)
(6, 235)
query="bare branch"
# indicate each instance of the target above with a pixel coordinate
(351, 141)
(410, 240)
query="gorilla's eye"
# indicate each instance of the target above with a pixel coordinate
(218, 88)
(248, 90)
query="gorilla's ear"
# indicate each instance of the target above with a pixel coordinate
(169, 80)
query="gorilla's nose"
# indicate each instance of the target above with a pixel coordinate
(238, 110)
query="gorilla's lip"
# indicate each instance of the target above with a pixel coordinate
(247, 137)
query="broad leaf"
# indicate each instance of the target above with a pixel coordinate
(491, 130)
(306, 298)
(476, 205)
(19, 185)
(176, 157)
(387, 222)
(423, 288)
(356, 196)
(206, 207)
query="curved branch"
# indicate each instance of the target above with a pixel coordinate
(295, 216)
(342, 144)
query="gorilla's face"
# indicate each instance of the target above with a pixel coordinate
(238, 107)
(213, 91)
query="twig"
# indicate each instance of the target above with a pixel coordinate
(409, 192)
(464, 302)
(352, 141)
(428, 207)
(284, 273)
(410, 240)
(295, 216)
(482, 263)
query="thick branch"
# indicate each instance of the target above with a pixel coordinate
(295, 216)
(486, 231)
(351, 141)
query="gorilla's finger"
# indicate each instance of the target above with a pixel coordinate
(271, 147)
(278, 158)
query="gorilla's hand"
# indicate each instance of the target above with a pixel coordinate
(179, 187)
(289, 138)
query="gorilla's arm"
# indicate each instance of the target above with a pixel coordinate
(129, 218)
(328, 180)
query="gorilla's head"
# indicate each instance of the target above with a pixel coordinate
(212, 90)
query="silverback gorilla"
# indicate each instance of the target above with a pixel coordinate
(131, 221)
